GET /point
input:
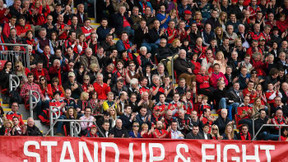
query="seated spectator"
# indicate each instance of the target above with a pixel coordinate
(73, 85)
(145, 132)
(244, 133)
(87, 30)
(118, 131)
(31, 129)
(104, 130)
(194, 134)
(25, 91)
(222, 121)
(215, 133)
(264, 134)
(184, 68)
(6, 129)
(17, 129)
(110, 103)
(71, 113)
(92, 132)
(174, 133)
(160, 132)
(14, 113)
(143, 117)
(229, 133)
(22, 27)
(284, 134)
(205, 133)
(86, 124)
(134, 133)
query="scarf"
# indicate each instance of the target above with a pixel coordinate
(38, 75)
(126, 44)
(170, 31)
(243, 136)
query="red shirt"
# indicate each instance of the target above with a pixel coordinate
(101, 90)
(242, 109)
(158, 133)
(125, 22)
(23, 29)
(203, 81)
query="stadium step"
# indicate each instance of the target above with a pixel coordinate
(25, 114)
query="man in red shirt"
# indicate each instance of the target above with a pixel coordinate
(22, 27)
(8, 26)
(87, 29)
(244, 112)
(101, 88)
(159, 132)
(13, 112)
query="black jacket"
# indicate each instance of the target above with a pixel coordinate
(119, 132)
(182, 65)
(192, 136)
(33, 131)
(221, 123)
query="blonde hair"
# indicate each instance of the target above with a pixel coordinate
(84, 96)
(215, 126)
(115, 115)
(232, 133)
(220, 15)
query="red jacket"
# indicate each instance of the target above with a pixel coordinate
(101, 90)
(23, 29)
(242, 109)
(203, 81)
(158, 133)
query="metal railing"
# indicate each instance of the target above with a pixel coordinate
(14, 82)
(172, 66)
(13, 56)
(270, 125)
(33, 101)
(75, 127)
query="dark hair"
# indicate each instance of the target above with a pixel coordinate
(244, 125)
(2, 111)
(29, 74)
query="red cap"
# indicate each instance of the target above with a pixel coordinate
(93, 126)
(234, 1)
(188, 12)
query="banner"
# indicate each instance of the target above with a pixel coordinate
(64, 149)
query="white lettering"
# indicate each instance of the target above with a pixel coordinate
(179, 155)
(267, 149)
(218, 148)
(83, 146)
(109, 144)
(203, 150)
(162, 152)
(228, 147)
(31, 154)
(49, 144)
(131, 152)
(143, 148)
(66, 145)
(250, 157)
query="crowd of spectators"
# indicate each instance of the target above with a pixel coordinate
(230, 57)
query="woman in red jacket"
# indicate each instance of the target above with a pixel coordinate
(54, 87)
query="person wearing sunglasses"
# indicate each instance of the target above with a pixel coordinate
(134, 133)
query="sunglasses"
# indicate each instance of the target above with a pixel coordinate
(135, 125)
(214, 129)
